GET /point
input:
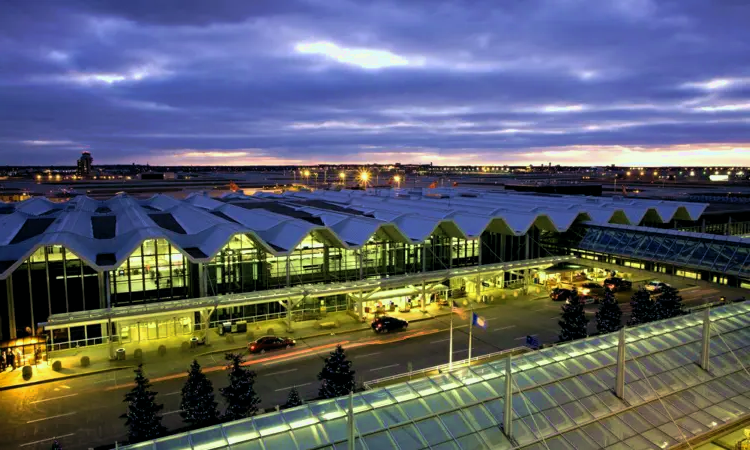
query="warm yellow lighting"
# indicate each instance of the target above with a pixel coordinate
(692, 173)
(38, 177)
(342, 175)
(642, 173)
(656, 173)
(364, 176)
(306, 173)
(627, 173)
(397, 179)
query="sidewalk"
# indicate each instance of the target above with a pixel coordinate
(176, 359)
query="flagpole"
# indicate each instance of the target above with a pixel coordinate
(471, 328)
(450, 348)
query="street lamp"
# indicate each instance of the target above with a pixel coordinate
(342, 175)
(364, 176)
(397, 179)
(306, 173)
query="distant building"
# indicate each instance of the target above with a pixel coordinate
(84, 165)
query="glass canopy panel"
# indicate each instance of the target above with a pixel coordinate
(415, 408)
(539, 398)
(437, 403)
(177, 442)
(522, 407)
(336, 429)
(401, 392)
(494, 439)
(575, 387)
(377, 398)
(599, 434)
(577, 412)
(486, 372)
(539, 424)
(367, 422)
(634, 421)
(558, 393)
(208, 438)
(459, 397)
(240, 431)
(557, 371)
(423, 387)
(407, 437)
(539, 375)
(326, 410)
(479, 418)
(580, 440)
(482, 391)
(495, 407)
(559, 419)
(432, 430)
(391, 415)
(456, 423)
(299, 416)
(594, 406)
(279, 440)
(379, 441)
(270, 424)
(521, 433)
(617, 427)
(649, 414)
(446, 381)
(358, 403)
(248, 445)
(310, 437)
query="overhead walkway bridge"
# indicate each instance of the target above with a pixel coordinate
(708, 252)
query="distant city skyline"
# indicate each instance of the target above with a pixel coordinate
(590, 83)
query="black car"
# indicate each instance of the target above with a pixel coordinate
(616, 284)
(385, 324)
(560, 294)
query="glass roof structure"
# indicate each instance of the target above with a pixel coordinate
(562, 399)
(727, 254)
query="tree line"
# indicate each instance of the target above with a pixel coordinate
(574, 323)
(199, 408)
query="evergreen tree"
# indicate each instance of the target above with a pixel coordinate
(669, 304)
(242, 401)
(198, 405)
(293, 399)
(573, 322)
(643, 308)
(609, 316)
(56, 445)
(337, 376)
(142, 418)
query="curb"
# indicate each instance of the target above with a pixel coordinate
(63, 378)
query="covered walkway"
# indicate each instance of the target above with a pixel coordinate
(723, 254)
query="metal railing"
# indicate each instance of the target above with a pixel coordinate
(444, 367)
(68, 345)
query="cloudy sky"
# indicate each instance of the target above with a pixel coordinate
(638, 82)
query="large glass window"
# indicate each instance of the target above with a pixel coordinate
(156, 270)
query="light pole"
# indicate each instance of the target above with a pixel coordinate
(364, 176)
(397, 179)
(342, 176)
(306, 173)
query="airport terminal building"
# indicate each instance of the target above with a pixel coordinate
(125, 270)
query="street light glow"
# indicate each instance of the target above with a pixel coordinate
(364, 176)
(397, 179)
(306, 173)
(342, 175)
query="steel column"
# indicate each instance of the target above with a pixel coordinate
(508, 414)
(620, 376)
(706, 347)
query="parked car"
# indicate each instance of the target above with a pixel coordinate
(584, 299)
(265, 343)
(560, 294)
(656, 286)
(385, 324)
(618, 284)
(591, 288)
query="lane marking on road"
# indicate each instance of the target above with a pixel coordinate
(464, 350)
(64, 386)
(523, 337)
(538, 309)
(172, 393)
(440, 340)
(295, 386)
(384, 367)
(554, 318)
(53, 398)
(172, 412)
(504, 328)
(47, 440)
(365, 356)
(107, 380)
(279, 372)
(52, 417)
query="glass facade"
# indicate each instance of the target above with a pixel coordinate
(156, 270)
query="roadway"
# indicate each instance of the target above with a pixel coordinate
(84, 412)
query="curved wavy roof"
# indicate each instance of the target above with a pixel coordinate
(104, 233)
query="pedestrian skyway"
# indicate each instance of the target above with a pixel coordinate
(716, 253)
(561, 399)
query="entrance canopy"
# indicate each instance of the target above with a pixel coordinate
(296, 293)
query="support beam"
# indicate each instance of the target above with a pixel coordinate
(620, 376)
(508, 414)
(706, 347)
(288, 272)
(11, 308)
(289, 306)
(423, 298)
(361, 265)
(202, 280)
